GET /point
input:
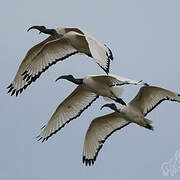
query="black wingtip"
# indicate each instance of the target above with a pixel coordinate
(109, 58)
(17, 92)
(88, 162)
(43, 127)
(106, 70)
(9, 86)
(39, 138)
(13, 92)
(23, 73)
(21, 90)
(107, 66)
(25, 76)
(83, 159)
(110, 55)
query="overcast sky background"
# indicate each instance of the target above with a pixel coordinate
(144, 37)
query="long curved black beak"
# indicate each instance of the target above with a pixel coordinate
(60, 77)
(111, 106)
(40, 28)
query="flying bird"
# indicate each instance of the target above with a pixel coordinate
(62, 43)
(135, 111)
(88, 90)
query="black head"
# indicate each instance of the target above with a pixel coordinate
(111, 106)
(53, 32)
(68, 77)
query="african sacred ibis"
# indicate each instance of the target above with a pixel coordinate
(135, 111)
(88, 90)
(62, 43)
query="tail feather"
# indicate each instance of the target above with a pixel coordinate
(148, 124)
(148, 121)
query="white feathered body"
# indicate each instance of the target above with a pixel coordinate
(85, 43)
(100, 87)
(133, 114)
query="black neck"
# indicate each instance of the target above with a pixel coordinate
(77, 81)
(49, 31)
(52, 32)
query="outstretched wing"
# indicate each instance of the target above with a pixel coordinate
(100, 52)
(72, 107)
(18, 83)
(149, 97)
(38, 59)
(99, 130)
(114, 80)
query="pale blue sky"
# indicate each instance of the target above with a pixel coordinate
(144, 37)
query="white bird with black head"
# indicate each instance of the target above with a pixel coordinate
(62, 43)
(88, 90)
(135, 111)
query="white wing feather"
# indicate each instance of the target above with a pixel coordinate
(72, 107)
(38, 59)
(99, 130)
(149, 97)
(101, 53)
(18, 83)
(50, 53)
(114, 80)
